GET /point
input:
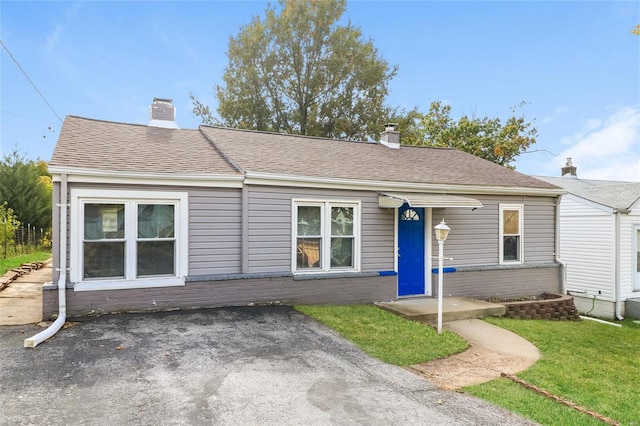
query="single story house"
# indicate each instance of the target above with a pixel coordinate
(600, 243)
(156, 217)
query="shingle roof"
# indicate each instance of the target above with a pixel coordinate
(103, 145)
(319, 157)
(109, 146)
(615, 194)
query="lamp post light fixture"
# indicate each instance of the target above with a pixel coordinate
(442, 231)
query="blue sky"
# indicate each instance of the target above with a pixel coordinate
(575, 63)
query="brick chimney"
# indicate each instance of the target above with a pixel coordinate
(162, 113)
(569, 169)
(390, 138)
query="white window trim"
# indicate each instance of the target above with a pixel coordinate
(325, 215)
(520, 209)
(81, 196)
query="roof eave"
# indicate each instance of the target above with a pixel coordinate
(260, 178)
(76, 174)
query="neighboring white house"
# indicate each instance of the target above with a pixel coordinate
(600, 243)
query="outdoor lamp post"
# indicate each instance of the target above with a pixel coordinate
(442, 231)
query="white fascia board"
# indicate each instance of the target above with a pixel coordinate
(589, 203)
(138, 178)
(271, 179)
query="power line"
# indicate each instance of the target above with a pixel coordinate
(32, 83)
(4, 111)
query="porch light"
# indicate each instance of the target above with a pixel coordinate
(442, 231)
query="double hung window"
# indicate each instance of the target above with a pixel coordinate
(511, 233)
(128, 239)
(326, 236)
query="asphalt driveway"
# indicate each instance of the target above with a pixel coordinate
(236, 366)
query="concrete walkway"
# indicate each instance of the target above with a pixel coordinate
(21, 301)
(493, 351)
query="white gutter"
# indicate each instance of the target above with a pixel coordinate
(273, 179)
(563, 266)
(76, 174)
(616, 259)
(34, 341)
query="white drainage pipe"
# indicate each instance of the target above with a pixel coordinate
(600, 321)
(34, 341)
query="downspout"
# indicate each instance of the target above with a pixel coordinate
(616, 260)
(563, 266)
(34, 341)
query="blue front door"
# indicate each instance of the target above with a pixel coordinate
(410, 251)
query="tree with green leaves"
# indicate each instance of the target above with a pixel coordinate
(25, 187)
(9, 223)
(299, 71)
(488, 138)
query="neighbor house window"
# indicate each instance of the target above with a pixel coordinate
(326, 236)
(127, 239)
(511, 233)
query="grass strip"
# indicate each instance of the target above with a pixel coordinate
(531, 405)
(386, 336)
(588, 363)
(16, 261)
(573, 405)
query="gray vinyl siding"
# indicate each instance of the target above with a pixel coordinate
(474, 236)
(215, 216)
(218, 217)
(539, 229)
(378, 228)
(269, 240)
(215, 228)
(473, 239)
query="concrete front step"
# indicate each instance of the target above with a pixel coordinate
(453, 309)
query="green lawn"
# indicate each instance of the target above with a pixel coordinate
(591, 364)
(386, 336)
(16, 261)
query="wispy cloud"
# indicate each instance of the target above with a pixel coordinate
(52, 40)
(606, 149)
(557, 112)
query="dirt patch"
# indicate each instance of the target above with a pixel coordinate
(471, 367)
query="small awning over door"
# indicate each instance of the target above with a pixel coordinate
(391, 200)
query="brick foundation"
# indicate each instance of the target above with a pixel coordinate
(554, 307)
